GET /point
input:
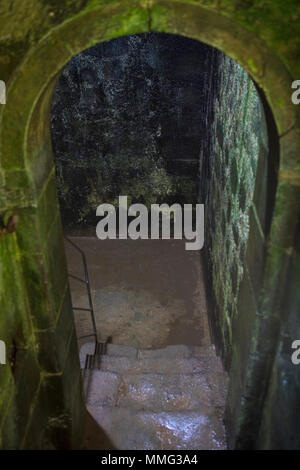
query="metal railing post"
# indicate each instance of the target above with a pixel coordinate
(86, 281)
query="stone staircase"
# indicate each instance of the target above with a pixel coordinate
(171, 398)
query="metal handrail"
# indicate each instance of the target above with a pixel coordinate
(86, 281)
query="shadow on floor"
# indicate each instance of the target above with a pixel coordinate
(94, 437)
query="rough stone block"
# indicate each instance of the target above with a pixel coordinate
(124, 351)
(186, 430)
(173, 351)
(101, 388)
(158, 392)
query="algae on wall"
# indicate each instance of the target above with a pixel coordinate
(237, 137)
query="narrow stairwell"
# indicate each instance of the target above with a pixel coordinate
(157, 399)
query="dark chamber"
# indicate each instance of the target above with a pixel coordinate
(128, 118)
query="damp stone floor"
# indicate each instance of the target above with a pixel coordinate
(160, 371)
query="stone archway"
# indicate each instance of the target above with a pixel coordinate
(26, 159)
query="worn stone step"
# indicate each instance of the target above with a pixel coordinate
(178, 430)
(180, 351)
(113, 350)
(123, 351)
(151, 392)
(159, 392)
(101, 387)
(160, 365)
(173, 397)
(169, 352)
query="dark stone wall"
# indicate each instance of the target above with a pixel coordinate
(238, 171)
(280, 423)
(128, 119)
(236, 139)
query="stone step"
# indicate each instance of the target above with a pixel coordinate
(210, 367)
(178, 430)
(151, 392)
(173, 397)
(113, 350)
(127, 365)
(171, 352)
(180, 351)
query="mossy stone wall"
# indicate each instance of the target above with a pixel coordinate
(37, 39)
(237, 138)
